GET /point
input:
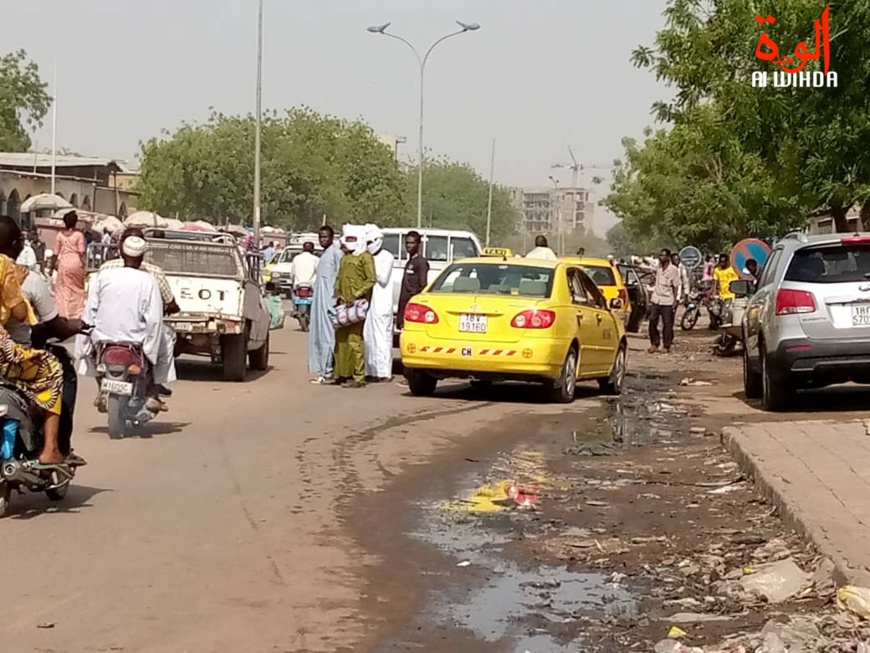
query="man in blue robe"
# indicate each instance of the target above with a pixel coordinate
(321, 337)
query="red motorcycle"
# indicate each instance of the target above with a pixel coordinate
(125, 377)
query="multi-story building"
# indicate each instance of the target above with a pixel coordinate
(549, 210)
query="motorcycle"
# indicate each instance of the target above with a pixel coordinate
(302, 298)
(124, 374)
(697, 299)
(731, 327)
(21, 441)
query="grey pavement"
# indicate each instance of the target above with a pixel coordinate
(818, 475)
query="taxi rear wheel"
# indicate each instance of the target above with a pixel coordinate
(421, 384)
(562, 390)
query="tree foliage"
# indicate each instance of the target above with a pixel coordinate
(742, 161)
(312, 165)
(24, 101)
(455, 196)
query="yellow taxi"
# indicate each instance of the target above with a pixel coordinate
(607, 277)
(270, 265)
(491, 320)
(500, 252)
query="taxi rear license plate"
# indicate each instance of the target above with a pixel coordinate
(117, 387)
(472, 323)
(860, 315)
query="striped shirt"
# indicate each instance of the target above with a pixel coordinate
(155, 270)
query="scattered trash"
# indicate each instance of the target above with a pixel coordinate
(698, 430)
(696, 617)
(798, 634)
(46, 625)
(693, 382)
(776, 581)
(823, 579)
(593, 449)
(524, 496)
(676, 632)
(725, 489)
(854, 599)
(464, 563)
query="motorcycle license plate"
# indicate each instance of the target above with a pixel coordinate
(302, 302)
(117, 387)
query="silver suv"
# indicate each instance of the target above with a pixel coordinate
(808, 323)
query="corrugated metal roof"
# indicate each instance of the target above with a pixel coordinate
(29, 160)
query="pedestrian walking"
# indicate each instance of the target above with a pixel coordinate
(70, 284)
(663, 303)
(355, 283)
(378, 331)
(321, 337)
(416, 275)
(542, 251)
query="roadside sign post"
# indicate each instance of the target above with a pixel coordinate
(749, 248)
(691, 257)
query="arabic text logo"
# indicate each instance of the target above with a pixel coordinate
(792, 66)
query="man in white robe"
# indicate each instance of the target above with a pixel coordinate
(125, 305)
(378, 331)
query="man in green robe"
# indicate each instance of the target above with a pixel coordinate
(356, 280)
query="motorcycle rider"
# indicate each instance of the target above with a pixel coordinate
(303, 270)
(170, 306)
(124, 305)
(37, 290)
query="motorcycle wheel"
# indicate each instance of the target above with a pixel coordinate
(58, 493)
(117, 406)
(725, 345)
(690, 319)
(5, 498)
(304, 322)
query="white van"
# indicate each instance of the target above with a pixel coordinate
(440, 247)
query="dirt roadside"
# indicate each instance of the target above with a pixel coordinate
(640, 523)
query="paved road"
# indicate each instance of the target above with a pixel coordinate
(222, 532)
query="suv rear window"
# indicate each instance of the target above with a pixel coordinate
(833, 264)
(488, 279)
(600, 275)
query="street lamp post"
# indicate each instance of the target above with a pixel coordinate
(422, 61)
(257, 136)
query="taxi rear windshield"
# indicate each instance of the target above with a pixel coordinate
(602, 276)
(504, 279)
(830, 264)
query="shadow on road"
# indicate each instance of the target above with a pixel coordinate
(193, 369)
(836, 399)
(149, 430)
(511, 393)
(30, 506)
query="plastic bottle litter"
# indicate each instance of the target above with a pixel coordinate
(854, 599)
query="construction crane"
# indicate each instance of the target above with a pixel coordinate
(576, 167)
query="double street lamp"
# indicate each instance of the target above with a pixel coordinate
(422, 61)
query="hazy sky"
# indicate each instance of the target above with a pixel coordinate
(537, 76)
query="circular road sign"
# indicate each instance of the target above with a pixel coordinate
(691, 257)
(745, 250)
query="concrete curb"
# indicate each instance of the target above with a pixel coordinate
(772, 487)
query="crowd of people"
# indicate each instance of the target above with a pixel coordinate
(351, 334)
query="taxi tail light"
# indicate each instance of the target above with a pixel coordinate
(623, 295)
(420, 314)
(790, 302)
(534, 319)
(304, 292)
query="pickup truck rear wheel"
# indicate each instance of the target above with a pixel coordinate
(234, 355)
(259, 359)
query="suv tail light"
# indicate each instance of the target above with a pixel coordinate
(420, 314)
(855, 240)
(534, 319)
(791, 302)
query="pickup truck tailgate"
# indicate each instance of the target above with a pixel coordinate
(210, 296)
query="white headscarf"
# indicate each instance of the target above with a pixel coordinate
(357, 247)
(375, 238)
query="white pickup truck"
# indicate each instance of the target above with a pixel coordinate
(224, 311)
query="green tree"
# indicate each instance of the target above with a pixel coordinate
(312, 165)
(456, 196)
(24, 101)
(760, 159)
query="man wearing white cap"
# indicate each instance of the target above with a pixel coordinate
(378, 332)
(124, 305)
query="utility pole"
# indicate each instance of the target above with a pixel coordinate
(489, 206)
(257, 144)
(54, 137)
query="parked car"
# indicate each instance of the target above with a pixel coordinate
(638, 296)
(807, 324)
(282, 268)
(492, 320)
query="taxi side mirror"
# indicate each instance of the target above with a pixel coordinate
(615, 304)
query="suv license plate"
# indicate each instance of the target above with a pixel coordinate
(117, 387)
(860, 315)
(472, 323)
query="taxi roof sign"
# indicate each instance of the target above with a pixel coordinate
(497, 251)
